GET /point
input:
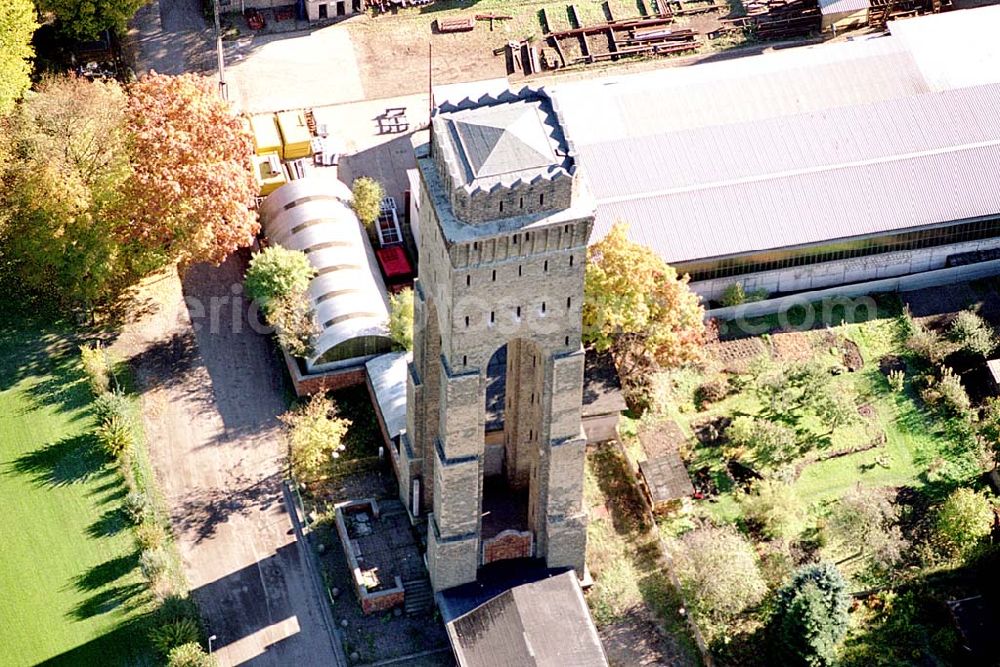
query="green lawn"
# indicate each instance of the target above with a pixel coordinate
(70, 589)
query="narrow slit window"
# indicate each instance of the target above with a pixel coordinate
(567, 341)
(541, 199)
(522, 202)
(466, 321)
(501, 207)
(518, 269)
(493, 316)
(569, 302)
(468, 280)
(465, 360)
(543, 306)
(519, 312)
(545, 267)
(515, 238)
(494, 275)
(571, 260)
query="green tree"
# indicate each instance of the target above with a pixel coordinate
(718, 572)
(636, 303)
(277, 272)
(973, 333)
(315, 438)
(70, 155)
(401, 319)
(810, 617)
(989, 426)
(366, 199)
(86, 19)
(190, 655)
(775, 508)
(17, 25)
(761, 441)
(962, 521)
(174, 633)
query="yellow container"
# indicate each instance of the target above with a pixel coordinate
(295, 134)
(266, 138)
(268, 172)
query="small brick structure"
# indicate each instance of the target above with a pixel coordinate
(507, 545)
(309, 384)
(373, 596)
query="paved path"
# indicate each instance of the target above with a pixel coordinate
(211, 395)
(172, 37)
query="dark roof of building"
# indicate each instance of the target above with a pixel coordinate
(502, 140)
(602, 390)
(544, 623)
(664, 471)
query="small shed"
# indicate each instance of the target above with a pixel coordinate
(268, 172)
(295, 135)
(603, 402)
(843, 14)
(266, 138)
(663, 477)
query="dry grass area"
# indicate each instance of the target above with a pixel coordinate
(392, 49)
(632, 601)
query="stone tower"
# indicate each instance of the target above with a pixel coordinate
(504, 220)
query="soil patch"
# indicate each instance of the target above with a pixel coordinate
(793, 346)
(712, 431)
(891, 363)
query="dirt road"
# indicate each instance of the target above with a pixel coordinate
(211, 392)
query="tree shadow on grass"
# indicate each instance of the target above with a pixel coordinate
(72, 460)
(107, 572)
(112, 522)
(126, 644)
(107, 600)
(46, 353)
(628, 513)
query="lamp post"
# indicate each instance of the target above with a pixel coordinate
(210, 640)
(221, 63)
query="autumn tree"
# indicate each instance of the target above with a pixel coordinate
(366, 199)
(775, 508)
(401, 319)
(636, 304)
(315, 438)
(191, 190)
(718, 572)
(86, 19)
(69, 157)
(17, 25)
(811, 616)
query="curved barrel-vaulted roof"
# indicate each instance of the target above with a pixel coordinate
(312, 215)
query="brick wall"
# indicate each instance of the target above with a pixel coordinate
(507, 545)
(373, 602)
(307, 385)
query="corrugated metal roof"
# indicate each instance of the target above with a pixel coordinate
(311, 214)
(953, 49)
(827, 7)
(387, 374)
(777, 165)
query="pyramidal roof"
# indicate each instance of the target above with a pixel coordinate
(505, 138)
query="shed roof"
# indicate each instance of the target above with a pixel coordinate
(666, 477)
(827, 7)
(265, 133)
(545, 623)
(312, 215)
(387, 374)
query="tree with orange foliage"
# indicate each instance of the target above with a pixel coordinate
(635, 304)
(189, 197)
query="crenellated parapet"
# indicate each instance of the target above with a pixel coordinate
(503, 156)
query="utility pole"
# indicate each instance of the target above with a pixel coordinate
(223, 90)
